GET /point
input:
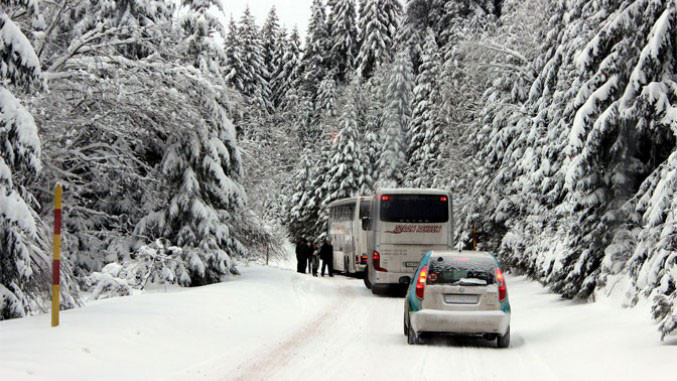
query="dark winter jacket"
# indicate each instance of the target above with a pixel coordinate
(326, 252)
(302, 251)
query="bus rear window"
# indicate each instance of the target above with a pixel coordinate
(421, 208)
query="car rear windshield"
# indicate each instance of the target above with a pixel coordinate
(466, 271)
(421, 208)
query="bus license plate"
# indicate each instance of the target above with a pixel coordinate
(461, 299)
(410, 264)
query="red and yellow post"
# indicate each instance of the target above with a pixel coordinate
(56, 263)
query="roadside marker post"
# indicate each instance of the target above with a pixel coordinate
(56, 252)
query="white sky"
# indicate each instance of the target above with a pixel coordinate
(290, 12)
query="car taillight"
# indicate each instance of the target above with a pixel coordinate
(377, 262)
(502, 288)
(420, 282)
(357, 259)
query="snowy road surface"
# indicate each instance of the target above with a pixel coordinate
(276, 324)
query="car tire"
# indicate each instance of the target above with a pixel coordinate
(406, 327)
(412, 337)
(504, 341)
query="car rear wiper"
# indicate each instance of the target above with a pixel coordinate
(472, 282)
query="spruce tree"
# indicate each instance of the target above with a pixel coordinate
(277, 85)
(344, 44)
(235, 71)
(288, 76)
(425, 127)
(255, 85)
(345, 162)
(270, 33)
(380, 20)
(202, 167)
(300, 209)
(327, 94)
(392, 162)
(21, 261)
(315, 52)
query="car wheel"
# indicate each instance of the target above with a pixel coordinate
(504, 341)
(412, 337)
(406, 327)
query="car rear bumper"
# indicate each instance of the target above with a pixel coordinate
(463, 322)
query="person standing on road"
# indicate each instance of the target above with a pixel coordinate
(313, 259)
(327, 256)
(301, 255)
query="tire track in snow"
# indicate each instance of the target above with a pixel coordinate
(278, 357)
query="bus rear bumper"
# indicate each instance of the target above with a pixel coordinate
(392, 278)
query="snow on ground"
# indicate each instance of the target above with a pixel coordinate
(273, 323)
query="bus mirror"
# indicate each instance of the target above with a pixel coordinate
(366, 223)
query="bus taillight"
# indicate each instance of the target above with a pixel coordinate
(377, 262)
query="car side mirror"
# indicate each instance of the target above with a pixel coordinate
(366, 223)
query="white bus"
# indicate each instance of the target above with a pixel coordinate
(347, 236)
(403, 225)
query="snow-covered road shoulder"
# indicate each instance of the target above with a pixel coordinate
(276, 324)
(156, 335)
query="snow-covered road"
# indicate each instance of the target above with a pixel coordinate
(276, 324)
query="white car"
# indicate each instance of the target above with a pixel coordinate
(458, 292)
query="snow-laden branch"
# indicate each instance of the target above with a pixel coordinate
(77, 45)
(505, 50)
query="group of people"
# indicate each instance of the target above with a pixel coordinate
(308, 255)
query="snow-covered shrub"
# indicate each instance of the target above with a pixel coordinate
(106, 286)
(156, 263)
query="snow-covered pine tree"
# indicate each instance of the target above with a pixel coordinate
(289, 70)
(370, 154)
(277, 89)
(460, 18)
(379, 21)
(393, 159)
(202, 168)
(373, 125)
(199, 26)
(344, 44)
(235, 72)
(269, 42)
(345, 165)
(320, 186)
(327, 94)
(315, 54)
(256, 85)
(301, 208)
(425, 131)
(22, 262)
(628, 107)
